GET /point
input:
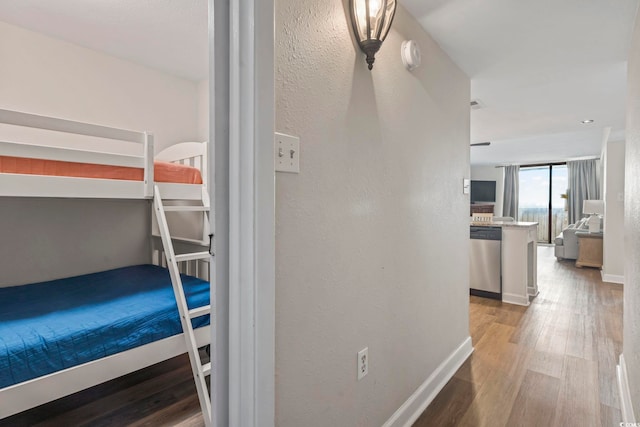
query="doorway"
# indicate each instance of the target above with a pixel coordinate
(542, 198)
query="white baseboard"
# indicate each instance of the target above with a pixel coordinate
(410, 410)
(515, 299)
(626, 407)
(612, 278)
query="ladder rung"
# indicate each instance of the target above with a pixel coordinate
(193, 256)
(187, 209)
(206, 369)
(200, 311)
(185, 240)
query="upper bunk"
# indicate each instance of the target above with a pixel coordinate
(44, 170)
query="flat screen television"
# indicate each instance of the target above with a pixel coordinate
(483, 191)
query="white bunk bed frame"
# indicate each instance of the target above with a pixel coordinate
(27, 185)
(22, 396)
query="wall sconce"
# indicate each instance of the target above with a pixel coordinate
(371, 20)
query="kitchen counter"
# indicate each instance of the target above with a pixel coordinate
(519, 260)
(503, 224)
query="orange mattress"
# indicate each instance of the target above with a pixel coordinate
(163, 172)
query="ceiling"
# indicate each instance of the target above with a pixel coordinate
(169, 35)
(540, 68)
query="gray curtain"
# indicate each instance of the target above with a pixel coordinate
(584, 184)
(511, 189)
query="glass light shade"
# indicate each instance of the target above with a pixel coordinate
(593, 207)
(371, 21)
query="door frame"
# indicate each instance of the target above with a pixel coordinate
(241, 52)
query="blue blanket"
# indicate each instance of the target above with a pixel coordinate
(50, 326)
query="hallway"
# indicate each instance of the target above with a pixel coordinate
(550, 364)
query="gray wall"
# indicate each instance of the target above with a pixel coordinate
(46, 239)
(613, 183)
(631, 340)
(491, 173)
(372, 235)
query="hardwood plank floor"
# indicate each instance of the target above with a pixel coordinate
(160, 395)
(550, 364)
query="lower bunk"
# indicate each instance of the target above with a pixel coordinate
(62, 336)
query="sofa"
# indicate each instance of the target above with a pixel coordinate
(567, 241)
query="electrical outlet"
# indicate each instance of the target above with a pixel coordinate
(363, 363)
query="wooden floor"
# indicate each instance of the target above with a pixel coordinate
(550, 364)
(161, 395)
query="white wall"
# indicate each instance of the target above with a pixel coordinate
(631, 339)
(491, 173)
(42, 75)
(372, 236)
(613, 193)
(52, 238)
(46, 239)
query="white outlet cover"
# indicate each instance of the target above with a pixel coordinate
(286, 153)
(363, 363)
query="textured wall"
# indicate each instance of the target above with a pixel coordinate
(372, 235)
(631, 349)
(613, 244)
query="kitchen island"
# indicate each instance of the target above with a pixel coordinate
(518, 260)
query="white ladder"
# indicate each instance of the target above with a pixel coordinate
(200, 370)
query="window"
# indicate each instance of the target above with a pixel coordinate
(541, 200)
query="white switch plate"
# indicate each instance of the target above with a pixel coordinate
(466, 185)
(286, 153)
(363, 363)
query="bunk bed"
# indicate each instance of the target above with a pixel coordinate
(62, 336)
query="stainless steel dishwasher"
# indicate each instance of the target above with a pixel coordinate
(485, 273)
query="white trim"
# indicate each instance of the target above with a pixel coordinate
(410, 410)
(612, 278)
(516, 299)
(241, 50)
(219, 46)
(626, 405)
(265, 276)
(251, 224)
(28, 394)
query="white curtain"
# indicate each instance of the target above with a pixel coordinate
(511, 190)
(584, 184)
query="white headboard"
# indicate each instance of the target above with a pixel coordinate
(188, 153)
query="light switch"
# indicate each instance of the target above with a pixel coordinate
(286, 153)
(466, 186)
